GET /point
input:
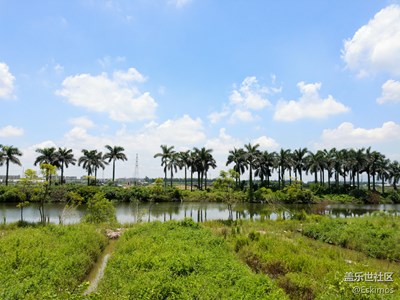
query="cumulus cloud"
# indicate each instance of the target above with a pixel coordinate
(310, 105)
(183, 133)
(375, 47)
(244, 99)
(250, 94)
(390, 92)
(347, 135)
(83, 122)
(266, 143)
(6, 82)
(117, 95)
(9, 131)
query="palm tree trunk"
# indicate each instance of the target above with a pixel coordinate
(205, 180)
(251, 183)
(113, 170)
(172, 175)
(62, 173)
(7, 167)
(191, 179)
(373, 181)
(185, 178)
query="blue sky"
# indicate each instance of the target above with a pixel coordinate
(285, 74)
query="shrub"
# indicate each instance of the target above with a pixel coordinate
(100, 210)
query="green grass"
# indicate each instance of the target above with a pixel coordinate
(303, 267)
(179, 260)
(46, 262)
(377, 235)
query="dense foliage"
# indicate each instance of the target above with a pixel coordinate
(179, 260)
(303, 267)
(46, 262)
(377, 235)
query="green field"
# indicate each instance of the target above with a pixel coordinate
(47, 262)
(180, 260)
(309, 258)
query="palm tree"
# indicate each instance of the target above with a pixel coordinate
(64, 158)
(91, 161)
(237, 156)
(9, 154)
(203, 160)
(300, 159)
(184, 157)
(265, 165)
(252, 155)
(48, 155)
(394, 173)
(173, 164)
(382, 170)
(313, 165)
(113, 154)
(165, 155)
(283, 160)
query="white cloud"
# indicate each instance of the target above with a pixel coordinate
(249, 96)
(83, 122)
(179, 3)
(182, 133)
(10, 131)
(346, 135)
(241, 115)
(390, 92)
(117, 96)
(375, 47)
(310, 105)
(6, 82)
(266, 143)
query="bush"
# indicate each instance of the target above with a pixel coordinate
(100, 210)
(295, 194)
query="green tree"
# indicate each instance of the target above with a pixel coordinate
(165, 155)
(47, 171)
(184, 157)
(27, 187)
(64, 158)
(91, 160)
(10, 155)
(47, 156)
(115, 153)
(100, 210)
(252, 156)
(237, 156)
(300, 161)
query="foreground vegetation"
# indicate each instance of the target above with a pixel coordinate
(377, 236)
(228, 259)
(47, 262)
(306, 268)
(179, 260)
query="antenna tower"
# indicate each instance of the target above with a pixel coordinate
(136, 176)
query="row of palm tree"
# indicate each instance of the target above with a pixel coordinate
(198, 160)
(61, 158)
(325, 165)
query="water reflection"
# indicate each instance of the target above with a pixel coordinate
(198, 211)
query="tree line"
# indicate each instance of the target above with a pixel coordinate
(329, 167)
(91, 160)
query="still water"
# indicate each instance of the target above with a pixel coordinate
(198, 211)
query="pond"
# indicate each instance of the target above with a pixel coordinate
(198, 211)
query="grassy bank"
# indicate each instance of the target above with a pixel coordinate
(179, 260)
(303, 267)
(377, 235)
(47, 262)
